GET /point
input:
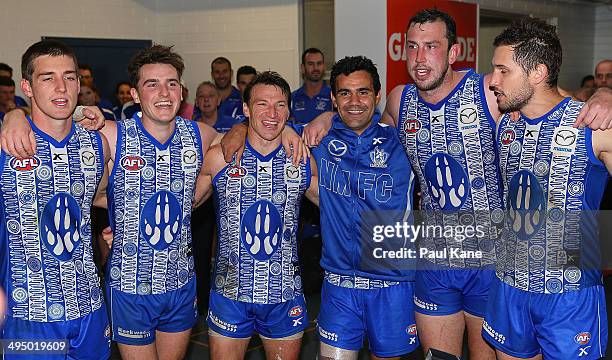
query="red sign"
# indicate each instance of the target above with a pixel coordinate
(398, 14)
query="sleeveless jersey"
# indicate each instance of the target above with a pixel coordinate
(554, 187)
(150, 202)
(258, 206)
(46, 258)
(364, 180)
(451, 146)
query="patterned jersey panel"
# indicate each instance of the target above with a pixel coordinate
(451, 146)
(554, 187)
(151, 197)
(46, 202)
(258, 206)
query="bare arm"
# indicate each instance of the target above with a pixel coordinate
(602, 147)
(391, 113)
(213, 163)
(203, 188)
(597, 112)
(312, 193)
(100, 199)
(17, 137)
(317, 128)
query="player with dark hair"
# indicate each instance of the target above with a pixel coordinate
(548, 300)
(46, 260)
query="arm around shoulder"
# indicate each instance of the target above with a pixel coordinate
(391, 114)
(312, 193)
(602, 147)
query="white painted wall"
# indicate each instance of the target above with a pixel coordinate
(603, 34)
(263, 33)
(361, 29)
(22, 23)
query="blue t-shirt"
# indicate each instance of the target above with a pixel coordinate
(20, 102)
(304, 108)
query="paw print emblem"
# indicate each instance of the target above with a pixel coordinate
(526, 211)
(260, 230)
(59, 226)
(448, 183)
(160, 223)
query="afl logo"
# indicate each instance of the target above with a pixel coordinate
(296, 311)
(508, 136)
(411, 330)
(583, 338)
(133, 163)
(25, 164)
(411, 126)
(236, 171)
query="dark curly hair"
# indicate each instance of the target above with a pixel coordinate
(534, 42)
(349, 65)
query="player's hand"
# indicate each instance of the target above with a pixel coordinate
(294, 146)
(317, 129)
(89, 116)
(597, 111)
(107, 236)
(233, 143)
(17, 138)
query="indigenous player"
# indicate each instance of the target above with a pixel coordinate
(365, 180)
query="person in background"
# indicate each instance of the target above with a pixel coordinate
(88, 96)
(87, 78)
(186, 109)
(123, 97)
(244, 76)
(7, 71)
(314, 97)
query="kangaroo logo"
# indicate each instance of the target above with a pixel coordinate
(525, 204)
(59, 226)
(160, 223)
(448, 182)
(260, 230)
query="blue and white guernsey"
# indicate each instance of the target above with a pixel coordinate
(258, 206)
(46, 262)
(151, 196)
(451, 146)
(554, 187)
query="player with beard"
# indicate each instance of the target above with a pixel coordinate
(447, 122)
(548, 300)
(313, 98)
